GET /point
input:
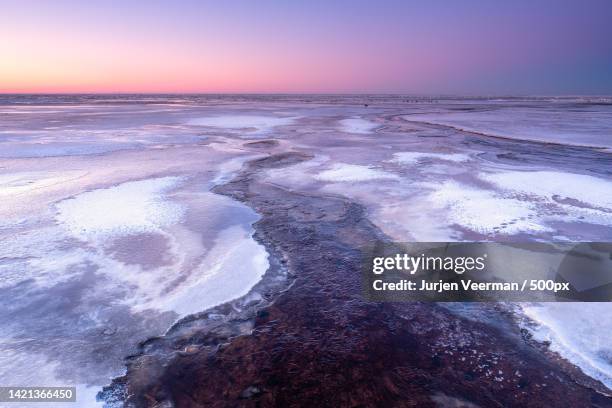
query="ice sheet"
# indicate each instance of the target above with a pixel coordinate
(129, 208)
(577, 331)
(358, 125)
(138, 268)
(558, 196)
(484, 211)
(585, 124)
(416, 157)
(256, 123)
(343, 172)
(231, 268)
(553, 185)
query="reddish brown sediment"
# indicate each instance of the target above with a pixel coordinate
(320, 343)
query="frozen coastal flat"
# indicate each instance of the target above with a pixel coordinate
(161, 228)
(546, 120)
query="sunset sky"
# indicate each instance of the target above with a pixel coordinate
(417, 47)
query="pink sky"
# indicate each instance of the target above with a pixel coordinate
(417, 47)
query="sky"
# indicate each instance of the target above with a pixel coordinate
(464, 47)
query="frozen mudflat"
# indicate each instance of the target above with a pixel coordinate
(474, 209)
(342, 172)
(554, 122)
(358, 125)
(110, 231)
(420, 157)
(130, 208)
(243, 123)
(101, 252)
(591, 192)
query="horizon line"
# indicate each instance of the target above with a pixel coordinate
(416, 95)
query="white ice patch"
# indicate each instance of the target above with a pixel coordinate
(483, 211)
(343, 172)
(128, 208)
(578, 332)
(260, 124)
(525, 201)
(559, 196)
(416, 157)
(231, 268)
(589, 190)
(410, 221)
(358, 125)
